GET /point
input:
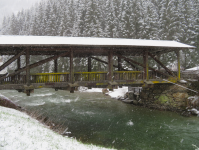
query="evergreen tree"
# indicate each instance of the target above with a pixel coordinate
(92, 20)
(112, 21)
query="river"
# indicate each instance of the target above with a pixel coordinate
(97, 119)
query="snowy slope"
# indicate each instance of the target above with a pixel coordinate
(19, 131)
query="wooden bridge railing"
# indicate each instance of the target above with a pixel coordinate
(49, 77)
(79, 76)
(192, 76)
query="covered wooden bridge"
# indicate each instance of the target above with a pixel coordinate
(71, 47)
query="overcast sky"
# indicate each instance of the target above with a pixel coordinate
(7, 7)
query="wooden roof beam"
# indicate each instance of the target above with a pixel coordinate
(11, 60)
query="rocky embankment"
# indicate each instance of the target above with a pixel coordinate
(8, 103)
(168, 97)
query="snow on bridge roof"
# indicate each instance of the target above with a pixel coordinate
(17, 41)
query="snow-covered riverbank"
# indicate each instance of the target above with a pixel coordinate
(20, 132)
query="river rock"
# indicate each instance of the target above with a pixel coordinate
(104, 91)
(127, 101)
(194, 111)
(157, 91)
(131, 95)
(186, 113)
(163, 99)
(180, 96)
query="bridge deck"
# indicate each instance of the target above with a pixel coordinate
(88, 79)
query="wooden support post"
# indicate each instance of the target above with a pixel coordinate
(28, 71)
(110, 65)
(178, 60)
(146, 65)
(158, 57)
(28, 67)
(55, 66)
(18, 67)
(119, 64)
(55, 69)
(18, 63)
(110, 69)
(71, 67)
(89, 64)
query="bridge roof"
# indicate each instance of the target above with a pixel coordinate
(50, 44)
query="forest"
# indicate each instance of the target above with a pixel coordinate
(135, 19)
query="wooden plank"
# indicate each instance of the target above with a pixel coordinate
(11, 60)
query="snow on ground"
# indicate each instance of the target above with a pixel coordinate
(85, 89)
(194, 111)
(193, 69)
(20, 132)
(120, 92)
